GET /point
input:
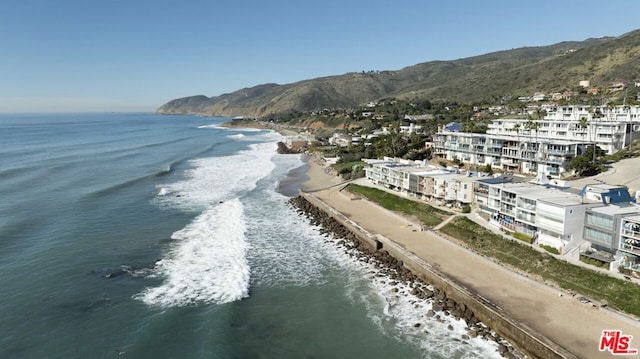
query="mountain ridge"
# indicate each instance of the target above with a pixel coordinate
(524, 70)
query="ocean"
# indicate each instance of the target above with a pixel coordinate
(146, 236)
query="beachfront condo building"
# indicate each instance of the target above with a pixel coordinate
(629, 243)
(601, 222)
(546, 145)
(549, 215)
(435, 184)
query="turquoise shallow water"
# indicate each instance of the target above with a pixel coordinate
(166, 237)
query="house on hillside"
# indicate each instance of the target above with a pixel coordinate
(410, 128)
(419, 117)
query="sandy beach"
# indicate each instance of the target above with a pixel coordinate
(318, 176)
(556, 315)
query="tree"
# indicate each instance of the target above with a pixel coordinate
(517, 127)
(583, 164)
(596, 114)
(540, 114)
(532, 125)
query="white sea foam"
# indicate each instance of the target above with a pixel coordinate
(244, 129)
(207, 263)
(396, 313)
(285, 249)
(237, 136)
(219, 127)
(216, 179)
(211, 126)
(406, 310)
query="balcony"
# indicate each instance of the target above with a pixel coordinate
(527, 217)
(558, 152)
(507, 210)
(555, 160)
(630, 248)
(527, 206)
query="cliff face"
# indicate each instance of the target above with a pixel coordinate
(522, 71)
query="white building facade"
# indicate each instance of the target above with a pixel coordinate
(546, 147)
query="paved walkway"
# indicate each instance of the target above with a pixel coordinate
(556, 315)
(482, 222)
(623, 173)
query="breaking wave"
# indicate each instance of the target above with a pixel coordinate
(207, 263)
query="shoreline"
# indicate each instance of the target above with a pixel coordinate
(260, 125)
(318, 174)
(536, 305)
(365, 247)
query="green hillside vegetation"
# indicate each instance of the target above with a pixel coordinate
(486, 78)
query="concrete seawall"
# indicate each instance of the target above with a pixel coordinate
(522, 337)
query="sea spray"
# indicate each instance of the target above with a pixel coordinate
(207, 263)
(415, 305)
(212, 180)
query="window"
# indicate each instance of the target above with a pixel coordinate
(600, 221)
(596, 235)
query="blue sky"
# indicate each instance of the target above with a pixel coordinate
(135, 55)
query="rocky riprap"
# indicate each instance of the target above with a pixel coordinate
(284, 150)
(394, 269)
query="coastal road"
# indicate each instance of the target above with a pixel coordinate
(558, 316)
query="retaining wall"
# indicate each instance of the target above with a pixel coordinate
(519, 335)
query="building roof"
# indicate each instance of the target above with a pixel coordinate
(453, 127)
(614, 209)
(425, 172)
(458, 176)
(499, 180)
(566, 199)
(607, 193)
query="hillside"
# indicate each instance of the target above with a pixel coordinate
(490, 76)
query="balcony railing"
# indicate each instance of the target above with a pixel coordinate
(528, 217)
(630, 233)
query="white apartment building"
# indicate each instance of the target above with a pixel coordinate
(523, 154)
(426, 182)
(629, 244)
(410, 128)
(599, 223)
(552, 216)
(564, 133)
